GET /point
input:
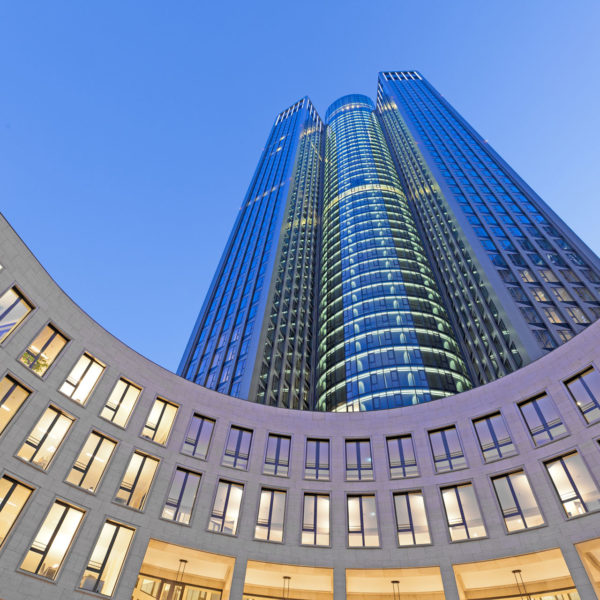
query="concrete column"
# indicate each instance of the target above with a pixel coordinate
(449, 582)
(339, 583)
(234, 590)
(577, 570)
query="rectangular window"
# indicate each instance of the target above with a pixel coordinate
(120, 404)
(447, 451)
(493, 436)
(543, 419)
(315, 520)
(137, 480)
(362, 522)
(88, 468)
(182, 495)
(13, 497)
(462, 513)
(107, 559)
(160, 420)
(316, 464)
(237, 450)
(359, 465)
(271, 510)
(81, 380)
(277, 458)
(574, 484)
(197, 438)
(585, 390)
(53, 540)
(411, 519)
(401, 456)
(226, 509)
(46, 437)
(43, 350)
(12, 396)
(517, 502)
(13, 309)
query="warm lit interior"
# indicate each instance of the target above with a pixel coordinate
(589, 552)
(540, 575)
(424, 583)
(273, 581)
(171, 572)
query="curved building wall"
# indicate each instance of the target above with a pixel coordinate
(451, 482)
(384, 336)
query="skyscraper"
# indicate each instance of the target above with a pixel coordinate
(387, 257)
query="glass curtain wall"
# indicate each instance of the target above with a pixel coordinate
(384, 337)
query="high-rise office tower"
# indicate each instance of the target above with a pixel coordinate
(384, 258)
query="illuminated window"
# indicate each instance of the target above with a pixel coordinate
(182, 495)
(13, 309)
(519, 507)
(562, 294)
(12, 396)
(271, 511)
(316, 464)
(88, 468)
(462, 513)
(160, 420)
(362, 522)
(107, 559)
(45, 438)
(493, 436)
(553, 315)
(277, 458)
(401, 456)
(137, 480)
(197, 438)
(448, 454)
(411, 519)
(81, 380)
(53, 540)
(359, 465)
(43, 350)
(578, 315)
(13, 497)
(315, 520)
(226, 509)
(237, 450)
(120, 404)
(574, 484)
(585, 390)
(543, 419)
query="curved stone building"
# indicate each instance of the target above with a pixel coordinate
(120, 479)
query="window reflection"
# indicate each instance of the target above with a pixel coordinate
(13, 309)
(121, 402)
(411, 519)
(89, 466)
(160, 420)
(13, 497)
(362, 521)
(315, 520)
(182, 495)
(51, 544)
(462, 513)
(12, 397)
(82, 379)
(226, 508)
(46, 437)
(137, 480)
(271, 510)
(197, 438)
(515, 496)
(43, 350)
(107, 559)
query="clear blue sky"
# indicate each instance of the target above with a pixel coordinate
(130, 129)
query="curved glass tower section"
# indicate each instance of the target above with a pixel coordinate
(384, 337)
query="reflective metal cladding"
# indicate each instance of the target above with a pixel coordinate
(383, 258)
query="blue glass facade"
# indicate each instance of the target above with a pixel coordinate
(517, 280)
(387, 258)
(276, 228)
